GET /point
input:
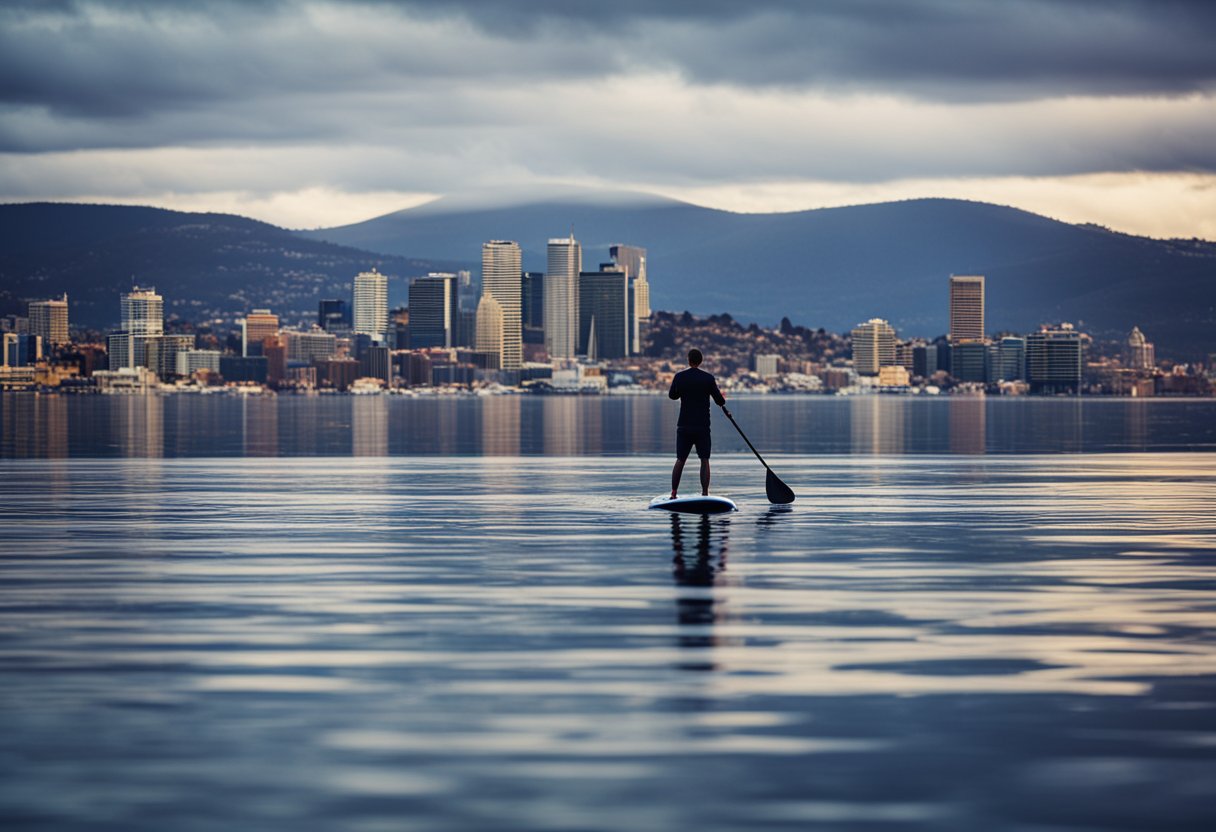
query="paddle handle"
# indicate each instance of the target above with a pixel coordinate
(744, 435)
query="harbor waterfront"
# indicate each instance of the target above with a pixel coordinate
(979, 614)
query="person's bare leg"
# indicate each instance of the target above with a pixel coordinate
(705, 477)
(675, 477)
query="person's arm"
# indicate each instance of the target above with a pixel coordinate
(674, 392)
(718, 397)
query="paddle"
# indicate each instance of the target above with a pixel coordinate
(777, 491)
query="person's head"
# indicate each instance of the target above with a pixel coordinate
(694, 358)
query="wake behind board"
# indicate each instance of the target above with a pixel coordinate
(695, 505)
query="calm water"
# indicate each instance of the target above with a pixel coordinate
(932, 639)
(192, 426)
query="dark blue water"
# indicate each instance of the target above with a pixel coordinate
(929, 638)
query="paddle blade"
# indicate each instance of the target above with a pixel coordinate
(778, 492)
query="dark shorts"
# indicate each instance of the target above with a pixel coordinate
(688, 438)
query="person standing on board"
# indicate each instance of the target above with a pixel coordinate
(694, 388)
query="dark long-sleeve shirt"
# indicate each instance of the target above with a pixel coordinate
(694, 388)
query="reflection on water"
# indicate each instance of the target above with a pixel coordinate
(182, 426)
(699, 564)
(468, 643)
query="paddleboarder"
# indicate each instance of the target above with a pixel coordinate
(694, 388)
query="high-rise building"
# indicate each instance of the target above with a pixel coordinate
(256, 327)
(1054, 360)
(603, 313)
(565, 261)
(168, 348)
(1010, 359)
(434, 311)
(969, 361)
(333, 315)
(490, 328)
(966, 308)
(1141, 354)
(49, 321)
(532, 310)
(137, 343)
(21, 349)
(307, 347)
(501, 276)
(371, 305)
(873, 347)
(633, 260)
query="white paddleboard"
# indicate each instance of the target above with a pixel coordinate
(695, 505)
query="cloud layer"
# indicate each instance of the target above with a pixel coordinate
(121, 99)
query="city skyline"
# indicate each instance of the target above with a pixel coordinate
(1086, 113)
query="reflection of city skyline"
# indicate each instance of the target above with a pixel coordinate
(38, 426)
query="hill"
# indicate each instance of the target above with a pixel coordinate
(834, 267)
(205, 265)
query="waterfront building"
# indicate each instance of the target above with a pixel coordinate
(924, 360)
(333, 315)
(168, 346)
(564, 263)
(21, 349)
(490, 328)
(256, 327)
(1141, 354)
(377, 363)
(244, 368)
(532, 309)
(337, 373)
(895, 375)
(137, 343)
(969, 361)
(48, 319)
(766, 365)
(434, 311)
(633, 260)
(873, 346)
(307, 347)
(189, 362)
(501, 276)
(371, 305)
(603, 314)
(1010, 359)
(1054, 360)
(966, 308)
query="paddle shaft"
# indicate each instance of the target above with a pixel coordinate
(744, 435)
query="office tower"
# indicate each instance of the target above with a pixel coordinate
(501, 273)
(49, 321)
(21, 349)
(333, 315)
(603, 313)
(371, 305)
(873, 347)
(969, 361)
(434, 311)
(1141, 354)
(633, 260)
(256, 327)
(1010, 359)
(1054, 360)
(924, 360)
(307, 347)
(966, 308)
(766, 364)
(467, 291)
(244, 369)
(377, 363)
(189, 362)
(137, 343)
(565, 261)
(532, 309)
(169, 347)
(490, 330)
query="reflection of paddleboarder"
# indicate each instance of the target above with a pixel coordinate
(694, 388)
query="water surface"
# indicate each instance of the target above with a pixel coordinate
(934, 641)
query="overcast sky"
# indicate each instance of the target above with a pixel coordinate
(317, 113)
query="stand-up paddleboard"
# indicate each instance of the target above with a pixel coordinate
(695, 505)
